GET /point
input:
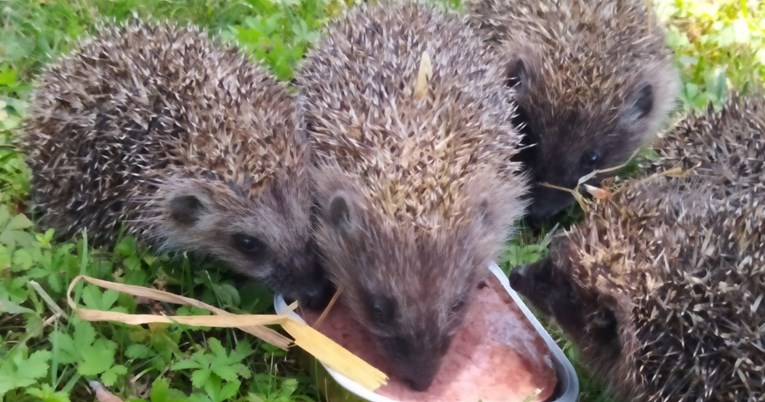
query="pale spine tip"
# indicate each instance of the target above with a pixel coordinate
(423, 76)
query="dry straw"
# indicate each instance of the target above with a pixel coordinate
(312, 341)
(600, 193)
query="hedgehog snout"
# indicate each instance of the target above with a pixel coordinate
(421, 370)
(310, 285)
(416, 360)
(545, 203)
(517, 277)
(532, 283)
(317, 297)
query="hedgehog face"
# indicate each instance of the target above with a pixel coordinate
(267, 237)
(584, 126)
(410, 289)
(587, 317)
(551, 292)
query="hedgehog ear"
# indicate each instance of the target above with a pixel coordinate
(604, 317)
(517, 74)
(603, 324)
(339, 212)
(640, 103)
(186, 209)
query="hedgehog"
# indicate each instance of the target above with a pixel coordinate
(186, 142)
(593, 81)
(661, 289)
(726, 146)
(409, 129)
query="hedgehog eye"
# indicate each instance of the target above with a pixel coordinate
(458, 305)
(382, 310)
(248, 244)
(590, 161)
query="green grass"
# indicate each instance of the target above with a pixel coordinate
(47, 354)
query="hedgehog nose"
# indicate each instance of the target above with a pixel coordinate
(516, 276)
(420, 383)
(317, 297)
(421, 370)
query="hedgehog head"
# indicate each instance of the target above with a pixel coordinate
(589, 92)
(409, 285)
(657, 290)
(586, 313)
(265, 236)
(414, 184)
(595, 272)
(183, 138)
(237, 186)
(594, 122)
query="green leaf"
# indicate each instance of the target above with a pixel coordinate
(216, 347)
(199, 377)
(5, 215)
(19, 284)
(45, 239)
(228, 391)
(8, 76)
(289, 386)
(13, 234)
(227, 294)
(20, 371)
(5, 258)
(64, 348)
(108, 299)
(185, 364)
(198, 397)
(243, 350)
(159, 390)
(98, 358)
(55, 283)
(254, 398)
(227, 373)
(22, 260)
(36, 366)
(126, 247)
(47, 394)
(137, 351)
(110, 376)
(91, 297)
(84, 335)
(19, 222)
(34, 326)
(9, 307)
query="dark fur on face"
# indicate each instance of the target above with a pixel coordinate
(593, 81)
(587, 317)
(253, 236)
(564, 142)
(410, 288)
